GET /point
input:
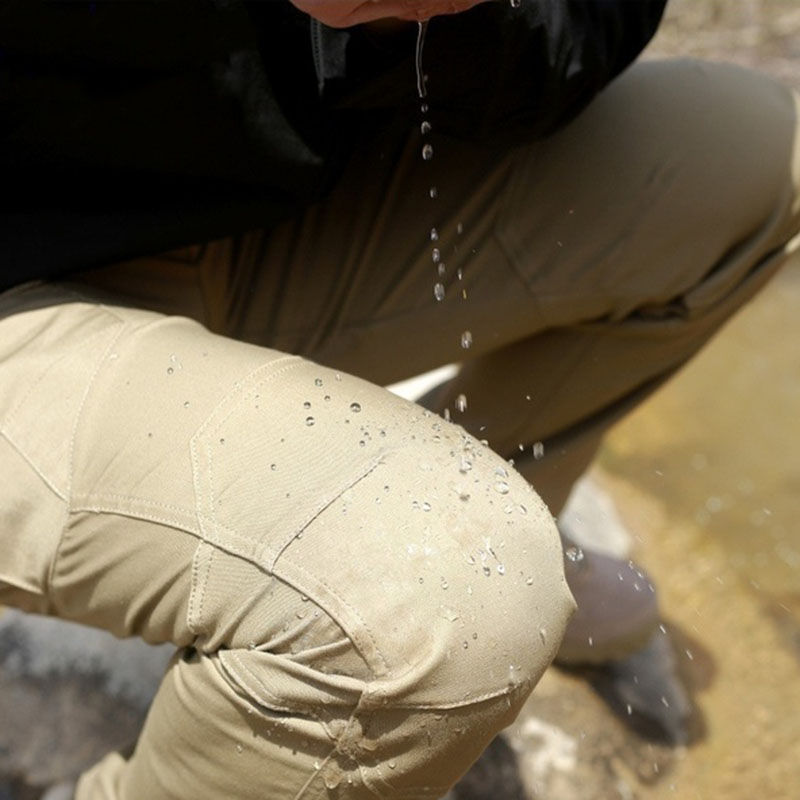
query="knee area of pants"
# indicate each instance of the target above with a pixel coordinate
(434, 562)
(454, 566)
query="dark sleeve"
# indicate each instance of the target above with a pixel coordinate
(522, 71)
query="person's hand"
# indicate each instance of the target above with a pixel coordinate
(344, 13)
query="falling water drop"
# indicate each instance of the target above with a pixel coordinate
(538, 450)
(434, 235)
(574, 553)
(441, 269)
(422, 28)
(427, 152)
(438, 291)
(466, 340)
(515, 3)
(432, 192)
(461, 403)
(425, 127)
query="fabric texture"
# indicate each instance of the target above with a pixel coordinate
(590, 265)
(339, 638)
(343, 571)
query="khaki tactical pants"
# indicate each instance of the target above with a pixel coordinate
(363, 594)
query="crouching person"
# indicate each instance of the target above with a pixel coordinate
(362, 594)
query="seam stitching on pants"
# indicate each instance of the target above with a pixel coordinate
(207, 563)
(71, 449)
(88, 498)
(10, 439)
(355, 477)
(268, 698)
(352, 635)
(193, 590)
(11, 416)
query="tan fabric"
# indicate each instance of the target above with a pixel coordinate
(348, 570)
(595, 263)
(343, 638)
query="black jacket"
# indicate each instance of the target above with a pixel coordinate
(129, 128)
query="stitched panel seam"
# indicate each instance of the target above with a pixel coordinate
(73, 438)
(275, 553)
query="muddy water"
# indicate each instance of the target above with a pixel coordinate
(721, 445)
(707, 474)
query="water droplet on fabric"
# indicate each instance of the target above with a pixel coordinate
(501, 569)
(461, 403)
(438, 292)
(574, 553)
(465, 466)
(466, 340)
(426, 506)
(427, 152)
(355, 407)
(186, 404)
(239, 749)
(487, 570)
(310, 421)
(327, 398)
(501, 487)
(444, 584)
(501, 472)
(170, 370)
(392, 765)
(307, 404)
(317, 381)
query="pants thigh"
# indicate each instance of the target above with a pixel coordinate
(660, 197)
(344, 572)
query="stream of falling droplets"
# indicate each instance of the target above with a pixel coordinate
(427, 155)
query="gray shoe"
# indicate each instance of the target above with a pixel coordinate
(617, 607)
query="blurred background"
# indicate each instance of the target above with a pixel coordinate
(705, 478)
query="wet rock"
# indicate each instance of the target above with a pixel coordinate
(68, 695)
(495, 774)
(646, 689)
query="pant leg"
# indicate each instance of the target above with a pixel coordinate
(589, 266)
(343, 572)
